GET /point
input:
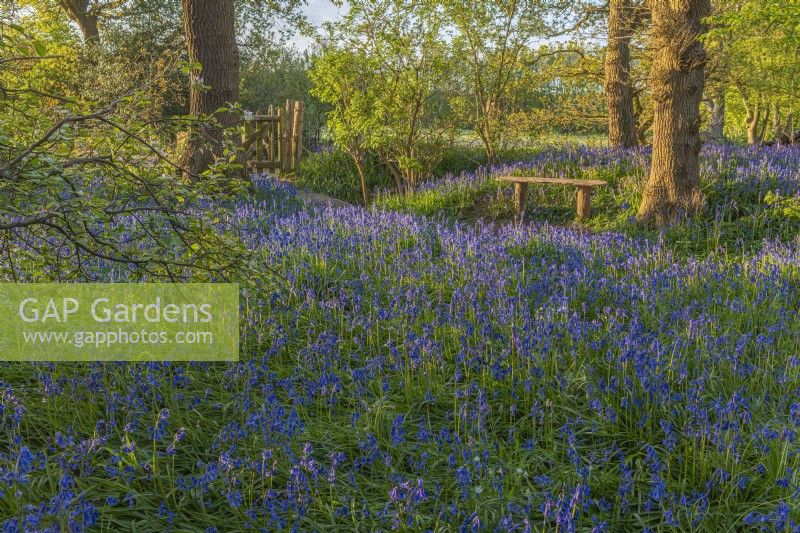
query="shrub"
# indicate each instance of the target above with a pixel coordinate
(334, 173)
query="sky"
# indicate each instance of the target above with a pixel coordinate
(317, 12)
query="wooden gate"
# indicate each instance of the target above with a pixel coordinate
(274, 142)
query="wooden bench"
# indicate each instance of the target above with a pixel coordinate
(584, 187)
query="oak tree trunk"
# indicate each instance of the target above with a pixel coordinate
(677, 81)
(619, 93)
(81, 12)
(211, 43)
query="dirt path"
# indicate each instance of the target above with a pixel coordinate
(321, 200)
(315, 199)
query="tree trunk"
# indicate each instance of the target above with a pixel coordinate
(764, 125)
(487, 125)
(211, 43)
(716, 126)
(86, 18)
(358, 158)
(752, 119)
(788, 136)
(619, 94)
(777, 123)
(677, 81)
(396, 173)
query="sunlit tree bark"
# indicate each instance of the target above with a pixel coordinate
(619, 93)
(677, 82)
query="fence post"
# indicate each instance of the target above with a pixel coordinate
(269, 135)
(259, 151)
(280, 139)
(246, 135)
(297, 130)
(286, 159)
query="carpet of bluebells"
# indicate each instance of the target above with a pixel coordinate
(419, 374)
(753, 193)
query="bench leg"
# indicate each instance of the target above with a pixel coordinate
(520, 195)
(584, 202)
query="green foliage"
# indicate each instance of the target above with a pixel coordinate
(86, 182)
(344, 80)
(753, 46)
(278, 74)
(404, 79)
(381, 68)
(334, 173)
(498, 73)
(789, 207)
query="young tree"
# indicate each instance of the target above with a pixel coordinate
(619, 92)
(405, 73)
(677, 81)
(342, 79)
(211, 43)
(490, 39)
(492, 49)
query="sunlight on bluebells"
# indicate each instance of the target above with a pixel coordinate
(426, 374)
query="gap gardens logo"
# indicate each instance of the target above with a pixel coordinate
(119, 322)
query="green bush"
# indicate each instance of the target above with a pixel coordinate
(458, 159)
(334, 173)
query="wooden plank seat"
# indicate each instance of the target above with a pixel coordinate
(584, 188)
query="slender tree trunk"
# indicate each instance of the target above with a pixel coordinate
(619, 94)
(762, 132)
(752, 120)
(211, 43)
(488, 130)
(491, 154)
(777, 123)
(716, 126)
(399, 179)
(788, 136)
(81, 13)
(677, 81)
(358, 158)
